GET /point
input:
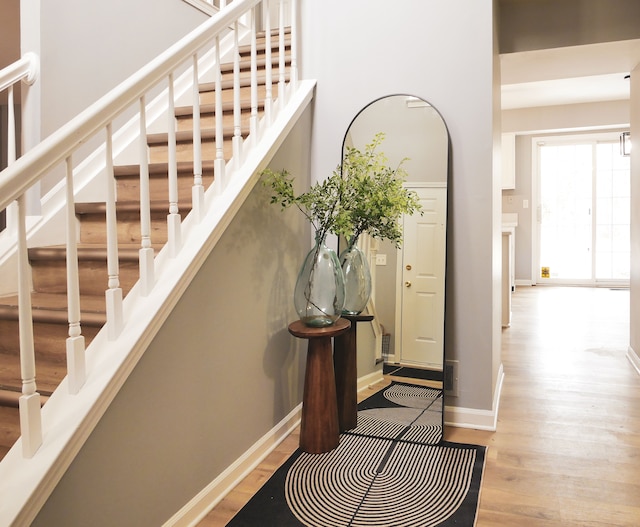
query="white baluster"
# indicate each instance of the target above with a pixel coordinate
(219, 163)
(114, 292)
(11, 127)
(293, 70)
(174, 224)
(76, 369)
(237, 115)
(197, 191)
(11, 214)
(268, 100)
(282, 97)
(145, 254)
(253, 120)
(29, 402)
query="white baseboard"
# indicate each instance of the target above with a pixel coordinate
(523, 283)
(194, 511)
(634, 359)
(473, 418)
(368, 380)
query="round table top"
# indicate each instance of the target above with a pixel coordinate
(299, 329)
(358, 318)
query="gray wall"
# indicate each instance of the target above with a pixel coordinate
(88, 48)
(219, 375)
(441, 51)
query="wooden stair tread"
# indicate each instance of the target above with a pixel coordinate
(49, 374)
(9, 428)
(160, 169)
(210, 109)
(86, 251)
(245, 80)
(121, 206)
(185, 136)
(53, 306)
(9, 396)
(261, 59)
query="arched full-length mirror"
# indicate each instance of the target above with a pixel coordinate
(409, 283)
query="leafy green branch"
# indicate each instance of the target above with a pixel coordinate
(363, 194)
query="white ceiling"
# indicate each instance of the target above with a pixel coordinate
(570, 75)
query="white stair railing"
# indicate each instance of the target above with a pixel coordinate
(25, 70)
(59, 148)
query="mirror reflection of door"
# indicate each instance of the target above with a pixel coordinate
(421, 269)
(413, 323)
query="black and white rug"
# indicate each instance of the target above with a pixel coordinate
(386, 472)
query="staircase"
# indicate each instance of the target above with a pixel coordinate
(48, 264)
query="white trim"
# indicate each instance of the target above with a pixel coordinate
(634, 359)
(200, 505)
(523, 283)
(196, 509)
(369, 380)
(206, 7)
(592, 137)
(473, 418)
(425, 184)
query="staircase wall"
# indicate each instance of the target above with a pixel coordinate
(222, 372)
(88, 48)
(441, 51)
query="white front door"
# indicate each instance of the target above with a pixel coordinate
(421, 290)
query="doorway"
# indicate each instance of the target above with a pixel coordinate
(421, 271)
(583, 212)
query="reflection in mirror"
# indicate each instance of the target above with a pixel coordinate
(408, 293)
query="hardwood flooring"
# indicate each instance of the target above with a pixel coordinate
(566, 451)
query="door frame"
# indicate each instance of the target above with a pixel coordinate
(536, 143)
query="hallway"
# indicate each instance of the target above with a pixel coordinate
(566, 452)
(567, 448)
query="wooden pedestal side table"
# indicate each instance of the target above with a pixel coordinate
(319, 429)
(345, 362)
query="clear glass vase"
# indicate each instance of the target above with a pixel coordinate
(357, 279)
(319, 293)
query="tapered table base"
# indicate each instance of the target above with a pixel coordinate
(319, 429)
(345, 360)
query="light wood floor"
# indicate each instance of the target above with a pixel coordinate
(566, 451)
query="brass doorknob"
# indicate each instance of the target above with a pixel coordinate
(407, 284)
(408, 268)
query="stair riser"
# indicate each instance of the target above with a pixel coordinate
(50, 276)
(49, 373)
(9, 428)
(49, 340)
(209, 120)
(129, 187)
(209, 97)
(184, 151)
(93, 228)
